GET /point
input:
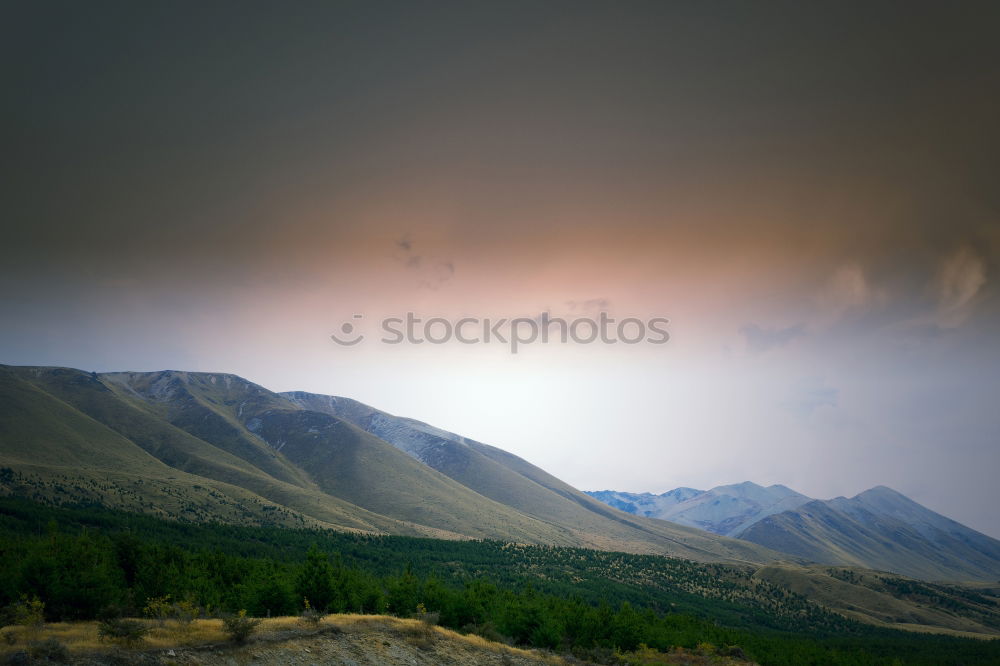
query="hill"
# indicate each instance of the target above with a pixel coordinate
(208, 446)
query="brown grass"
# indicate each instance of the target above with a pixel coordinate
(82, 637)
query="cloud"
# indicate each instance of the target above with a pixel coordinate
(960, 277)
(848, 289)
(760, 340)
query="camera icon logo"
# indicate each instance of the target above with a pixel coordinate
(348, 330)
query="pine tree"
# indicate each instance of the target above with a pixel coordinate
(315, 580)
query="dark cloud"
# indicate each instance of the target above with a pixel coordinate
(135, 133)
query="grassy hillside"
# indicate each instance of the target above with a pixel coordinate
(74, 439)
(195, 434)
(329, 455)
(514, 482)
(892, 601)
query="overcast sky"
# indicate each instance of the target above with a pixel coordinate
(808, 191)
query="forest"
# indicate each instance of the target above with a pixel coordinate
(87, 562)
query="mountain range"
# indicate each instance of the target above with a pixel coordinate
(216, 447)
(207, 447)
(878, 529)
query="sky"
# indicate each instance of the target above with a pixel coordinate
(807, 191)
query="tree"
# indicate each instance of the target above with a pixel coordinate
(404, 593)
(315, 580)
(271, 596)
(627, 627)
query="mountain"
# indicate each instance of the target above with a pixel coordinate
(885, 530)
(644, 504)
(211, 446)
(878, 529)
(514, 482)
(725, 510)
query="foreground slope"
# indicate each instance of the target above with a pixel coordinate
(377, 640)
(131, 440)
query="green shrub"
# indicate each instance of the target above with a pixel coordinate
(185, 613)
(239, 627)
(122, 631)
(485, 630)
(159, 609)
(309, 615)
(734, 651)
(29, 612)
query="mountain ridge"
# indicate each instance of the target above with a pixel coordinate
(223, 448)
(879, 528)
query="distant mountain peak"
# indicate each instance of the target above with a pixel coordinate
(883, 491)
(879, 528)
(724, 510)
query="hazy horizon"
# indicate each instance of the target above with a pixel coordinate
(807, 193)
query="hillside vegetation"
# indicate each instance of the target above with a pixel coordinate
(84, 563)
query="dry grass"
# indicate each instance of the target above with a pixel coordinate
(82, 637)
